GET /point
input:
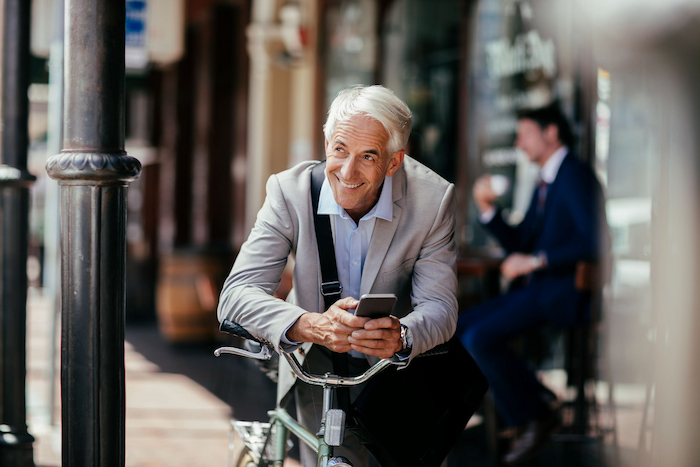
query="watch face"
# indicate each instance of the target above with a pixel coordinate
(406, 341)
(409, 338)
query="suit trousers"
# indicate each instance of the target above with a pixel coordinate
(309, 405)
(487, 329)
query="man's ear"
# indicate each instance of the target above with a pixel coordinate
(326, 147)
(551, 133)
(395, 162)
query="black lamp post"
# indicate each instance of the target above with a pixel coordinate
(93, 173)
(15, 442)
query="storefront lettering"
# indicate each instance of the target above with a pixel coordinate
(499, 157)
(531, 98)
(528, 53)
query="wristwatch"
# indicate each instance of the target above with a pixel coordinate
(539, 260)
(406, 339)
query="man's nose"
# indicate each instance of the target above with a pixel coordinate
(349, 168)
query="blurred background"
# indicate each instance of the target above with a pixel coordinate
(221, 94)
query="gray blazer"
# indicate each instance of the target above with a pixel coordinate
(412, 256)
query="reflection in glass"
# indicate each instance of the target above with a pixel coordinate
(421, 64)
(351, 46)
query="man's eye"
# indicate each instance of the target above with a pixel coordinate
(369, 157)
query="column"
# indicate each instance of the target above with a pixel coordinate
(93, 173)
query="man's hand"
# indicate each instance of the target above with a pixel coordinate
(483, 194)
(330, 329)
(380, 337)
(518, 264)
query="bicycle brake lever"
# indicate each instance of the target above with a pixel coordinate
(264, 354)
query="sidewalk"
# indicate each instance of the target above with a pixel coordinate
(179, 400)
(170, 419)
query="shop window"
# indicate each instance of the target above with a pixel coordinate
(416, 54)
(420, 62)
(518, 59)
(351, 45)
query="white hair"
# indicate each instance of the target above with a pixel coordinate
(376, 102)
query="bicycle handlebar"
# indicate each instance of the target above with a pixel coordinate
(335, 380)
(265, 353)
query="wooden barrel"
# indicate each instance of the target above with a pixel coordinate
(188, 290)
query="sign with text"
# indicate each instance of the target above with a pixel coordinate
(153, 31)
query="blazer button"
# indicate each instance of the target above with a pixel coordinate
(302, 352)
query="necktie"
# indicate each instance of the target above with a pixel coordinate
(541, 195)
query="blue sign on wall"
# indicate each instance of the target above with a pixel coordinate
(136, 13)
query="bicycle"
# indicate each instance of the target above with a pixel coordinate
(267, 443)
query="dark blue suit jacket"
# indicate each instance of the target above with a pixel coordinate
(571, 228)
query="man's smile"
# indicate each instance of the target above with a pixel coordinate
(348, 185)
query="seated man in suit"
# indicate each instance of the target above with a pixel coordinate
(393, 226)
(561, 228)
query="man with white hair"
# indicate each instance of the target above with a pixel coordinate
(393, 228)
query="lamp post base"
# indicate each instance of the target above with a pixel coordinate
(16, 447)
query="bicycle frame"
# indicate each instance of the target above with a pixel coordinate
(267, 442)
(281, 423)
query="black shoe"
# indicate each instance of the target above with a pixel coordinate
(536, 433)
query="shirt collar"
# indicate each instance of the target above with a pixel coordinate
(383, 209)
(551, 167)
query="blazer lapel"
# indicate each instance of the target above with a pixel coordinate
(544, 220)
(383, 234)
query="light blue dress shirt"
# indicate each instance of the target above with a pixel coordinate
(352, 240)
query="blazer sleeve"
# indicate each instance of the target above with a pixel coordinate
(513, 238)
(247, 295)
(434, 282)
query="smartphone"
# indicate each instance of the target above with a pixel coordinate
(375, 305)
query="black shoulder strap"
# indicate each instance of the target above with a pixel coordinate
(330, 286)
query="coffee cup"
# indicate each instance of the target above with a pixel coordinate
(499, 184)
